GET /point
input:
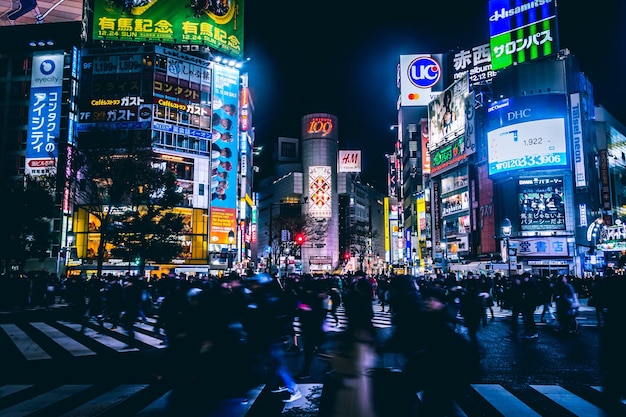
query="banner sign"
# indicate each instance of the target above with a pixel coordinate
(216, 24)
(44, 112)
(224, 153)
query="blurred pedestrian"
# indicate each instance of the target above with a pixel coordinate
(131, 305)
(472, 307)
(445, 361)
(613, 345)
(529, 302)
(311, 314)
(268, 324)
(567, 306)
(359, 309)
(546, 288)
(335, 302)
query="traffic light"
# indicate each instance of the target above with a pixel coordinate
(299, 238)
(346, 256)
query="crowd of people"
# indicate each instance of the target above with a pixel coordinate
(225, 335)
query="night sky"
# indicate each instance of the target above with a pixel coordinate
(341, 57)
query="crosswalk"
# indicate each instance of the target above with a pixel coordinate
(43, 340)
(145, 400)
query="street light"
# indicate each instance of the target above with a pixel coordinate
(506, 232)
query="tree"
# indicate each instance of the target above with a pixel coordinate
(289, 218)
(29, 208)
(131, 195)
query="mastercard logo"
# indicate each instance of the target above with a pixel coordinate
(413, 96)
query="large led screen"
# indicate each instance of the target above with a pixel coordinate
(527, 133)
(521, 31)
(217, 24)
(541, 204)
(22, 12)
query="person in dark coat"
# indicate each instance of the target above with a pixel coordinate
(531, 298)
(312, 315)
(613, 344)
(445, 361)
(472, 307)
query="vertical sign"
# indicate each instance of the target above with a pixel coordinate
(580, 179)
(44, 115)
(320, 197)
(224, 153)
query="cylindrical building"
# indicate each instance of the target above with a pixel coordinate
(319, 170)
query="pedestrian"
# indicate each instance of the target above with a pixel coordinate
(95, 303)
(311, 314)
(131, 305)
(486, 289)
(268, 323)
(335, 302)
(445, 361)
(529, 302)
(359, 309)
(76, 293)
(546, 288)
(596, 299)
(113, 301)
(613, 345)
(472, 307)
(513, 300)
(567, 306)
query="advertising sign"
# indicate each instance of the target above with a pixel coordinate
(455, 203)
(319, 125)
(475, 63)
(20, 12)
(580, 178)
(454, 181)
(446, 114)
(420, 78)
(124, 109)
(527, 132)
(44, 113)
(554, 246)
(541, 204)
(521, 31)
(448, 155)
(349, 161)
(216, 24)
(224, 153)
(320, 192)
(424, 146)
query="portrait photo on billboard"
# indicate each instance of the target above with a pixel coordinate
(446, 113)
(541, 204)
(30, 12)
(527, 132)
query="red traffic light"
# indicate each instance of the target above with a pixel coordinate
(299, 238)
(346, 256)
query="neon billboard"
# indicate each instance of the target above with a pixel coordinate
(216, 24)
(521, 31)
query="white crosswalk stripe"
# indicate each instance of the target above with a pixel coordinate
(89, 401)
